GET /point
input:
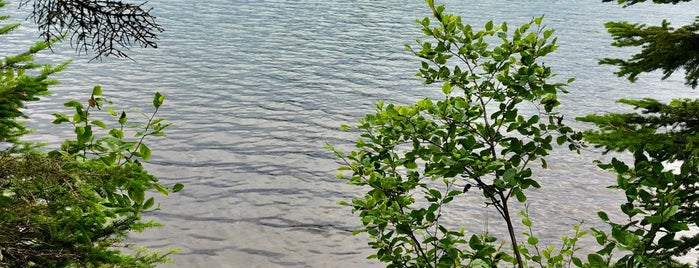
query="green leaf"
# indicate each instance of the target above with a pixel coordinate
(60, 118)
(537, 20)
(489, 25)
(425, 22)
(446, 88)
(178, 187)
(137, 195)
(596, 261)
(619, 166)
(532, 240)
(73, 104)
(99, 124)
(509, 175)
(548, 33)
(123, 118)
(561, 140)
(520, 196)
(149, 203)
(116, 133)
(161, 189)
(435, 193)
(145, 151)
(410, 165)
(475, 243)
(158, 100)
(97, 91)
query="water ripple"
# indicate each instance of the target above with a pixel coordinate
(255, 88)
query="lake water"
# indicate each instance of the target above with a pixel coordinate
(255, 88)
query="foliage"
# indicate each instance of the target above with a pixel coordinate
(74, 206)
(59, 212)
(17, 87)
(108, 27)
(497, 117)
(663, 48)
(660, 202)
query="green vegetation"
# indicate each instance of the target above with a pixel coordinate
(497, 117)
(73, 206)
(661, 202)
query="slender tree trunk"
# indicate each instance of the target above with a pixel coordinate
(511, 231)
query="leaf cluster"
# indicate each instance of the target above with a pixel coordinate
(661, 203)
(662, 48)
(19, 85)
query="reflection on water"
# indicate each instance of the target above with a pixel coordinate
(255, 88)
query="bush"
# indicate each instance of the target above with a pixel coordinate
(497, 118)
(74, 206)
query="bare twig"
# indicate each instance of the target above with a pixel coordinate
(107, 27)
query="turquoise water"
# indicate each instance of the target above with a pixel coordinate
(255, 88)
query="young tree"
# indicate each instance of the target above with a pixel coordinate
(661, 202)
(496, 119)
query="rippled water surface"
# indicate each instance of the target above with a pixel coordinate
(255, 88)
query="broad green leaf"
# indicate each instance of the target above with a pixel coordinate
(145, 151)
(149, 203)
(137, 196)
(73, 104)
(161, 189)
(596, 261)
(97, 91)
(446, 88)
(158, 100)
(99, 124)
(178, 187)
(532, 240)
(60, 118)
(537, 20)
(489, 25)
(410, 165)
(123, 118)
(520, 196)
(509, 175)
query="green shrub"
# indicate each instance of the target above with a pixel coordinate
(74, 206)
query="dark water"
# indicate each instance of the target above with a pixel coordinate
(255, 88)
